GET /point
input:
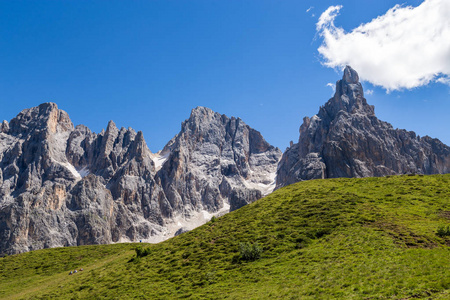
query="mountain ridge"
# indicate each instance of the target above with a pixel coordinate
(62, 185)
(346, 139)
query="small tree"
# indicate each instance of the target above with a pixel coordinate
(250, 252)
(443, 231)
(141, 252)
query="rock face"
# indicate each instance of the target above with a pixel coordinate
(215, 161)
(346, 139)
(64, 186)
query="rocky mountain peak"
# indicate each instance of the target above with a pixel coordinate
(348, 98)
(346, 139)
(111, 127)
(350, 75)
(201, 112)
(4, 127)
(200, 119)
(63, 186)
(45, 117)
(216, 162)
(139, 147)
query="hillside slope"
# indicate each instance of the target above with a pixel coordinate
(368, 238)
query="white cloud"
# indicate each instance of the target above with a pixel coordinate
(332, 86)
(326, 19)
(369, 92)
(309, 10)
(444, 80)
(405, 48)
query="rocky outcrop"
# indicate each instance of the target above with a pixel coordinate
(214, 157)
(64, 186)
(346, 139)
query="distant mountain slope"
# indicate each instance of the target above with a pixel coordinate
(216, 161)
(368, 238)
(65, 186)
(346, 139)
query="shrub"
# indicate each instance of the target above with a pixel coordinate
(302, 242)
(443, 231)
(250, 252)
(213, 219)
(141, 252)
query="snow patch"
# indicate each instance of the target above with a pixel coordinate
(78, 174)
(159, 233)
(162, 233)
(84, 172)
(159, 159)
(265, 189)
(195, 219)
(72, 169)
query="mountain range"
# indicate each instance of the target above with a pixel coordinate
(62, 185)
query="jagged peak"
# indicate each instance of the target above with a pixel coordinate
(48, 106)
(140, 137)
(111, 126)
(139, 147)
(348, 98)
(350, 75)
(200, 115)
(4, 127)
(46, 116)
(201, 112)
(201, 109)
(139, 140)
(112, 131)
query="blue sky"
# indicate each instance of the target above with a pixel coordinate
(146, 64)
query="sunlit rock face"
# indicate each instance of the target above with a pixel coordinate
(346, 139)
(65, 186)
(215, 161)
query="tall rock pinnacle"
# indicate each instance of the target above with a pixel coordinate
(346, 139)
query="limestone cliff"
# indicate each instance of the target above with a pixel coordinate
(346, 139)
(65, 186)
(214, 157)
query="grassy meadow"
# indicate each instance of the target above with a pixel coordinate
(368, 238)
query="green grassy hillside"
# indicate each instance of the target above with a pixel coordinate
(371, 238)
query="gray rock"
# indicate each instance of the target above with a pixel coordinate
(212, 157)
(181, 231)
(4, 127)
(66, 186)
(346, 139)
(242, 197)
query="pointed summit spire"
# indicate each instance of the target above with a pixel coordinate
(350, 75)
(111, 126)
(4, 127)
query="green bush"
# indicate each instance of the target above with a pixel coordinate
(249, 252)
(443, 231)
(141, 252)
(302, 242)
